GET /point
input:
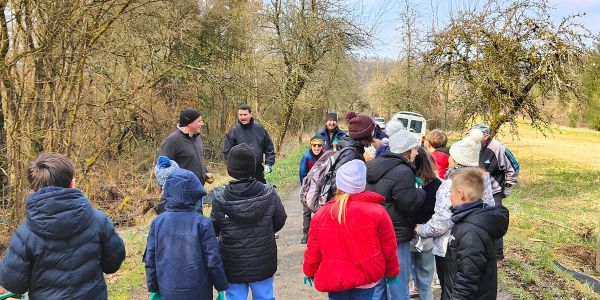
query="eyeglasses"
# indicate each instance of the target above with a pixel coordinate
(317, 145)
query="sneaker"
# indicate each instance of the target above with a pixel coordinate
(304, 239)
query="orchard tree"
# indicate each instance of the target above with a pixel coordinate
(510, 58)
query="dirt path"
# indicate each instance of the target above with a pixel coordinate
(289, 276)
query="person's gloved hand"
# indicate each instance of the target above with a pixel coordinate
(309, 280)
(154, 296)
(221, 296)
(268, 168)
(210, 178)
(392, 280)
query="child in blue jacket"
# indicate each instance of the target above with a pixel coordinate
(307, 161)
(182, 253)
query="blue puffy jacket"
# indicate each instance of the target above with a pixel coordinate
(182, 254)
(62, 249)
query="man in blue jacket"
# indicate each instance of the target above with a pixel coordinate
(331, 134)
(182, 253)
(64, 245)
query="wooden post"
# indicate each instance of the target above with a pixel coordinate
(598, 249)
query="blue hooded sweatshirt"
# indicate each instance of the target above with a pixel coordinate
(62, 249)
(182, 254)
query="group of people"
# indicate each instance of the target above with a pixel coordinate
(387, 216)
(407, 212)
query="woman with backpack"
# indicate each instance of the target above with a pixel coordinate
(351, 252)
(392, 175)
(306, 163)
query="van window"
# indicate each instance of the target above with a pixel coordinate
(404, 122)
(416, 126)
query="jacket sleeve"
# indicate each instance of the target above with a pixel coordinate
(280, 215)
(150, 261)
(15, 269)
(504, 164)
(387, 239)
(441, 221)
(169, 149)
(488, 194)
(210, 250)
(268, 150)
(303, 169)
(113, 248)
(214, 212)
(470, 262)
(407, 199)
(228, 142)
(312, 255)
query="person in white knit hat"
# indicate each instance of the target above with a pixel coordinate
(351, 235)
(392, 175)
(463, 154)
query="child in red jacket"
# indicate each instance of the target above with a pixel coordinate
(352, 244)
(437, 140)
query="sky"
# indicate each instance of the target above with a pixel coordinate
(383, 17)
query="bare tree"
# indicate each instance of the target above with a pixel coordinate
(509, 58)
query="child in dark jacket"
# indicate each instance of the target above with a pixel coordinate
(64, 245)
(307, 161)
(181, 239)
(471, 255)
(246, 215)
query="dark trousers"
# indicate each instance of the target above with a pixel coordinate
(260, 173)
(440, 263)
(306, 215)
(499, 243)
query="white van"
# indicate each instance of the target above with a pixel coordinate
(413, 122)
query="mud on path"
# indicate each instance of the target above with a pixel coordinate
(288, 279)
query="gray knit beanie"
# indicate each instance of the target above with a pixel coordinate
(403, 141)
(162, 170)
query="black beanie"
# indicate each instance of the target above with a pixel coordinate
(187, 116)
(241, 162)
(332, 116)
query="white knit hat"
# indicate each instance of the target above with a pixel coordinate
(466, 151)
(403, 141)
(351, 177)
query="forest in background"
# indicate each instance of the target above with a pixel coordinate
(103, 81)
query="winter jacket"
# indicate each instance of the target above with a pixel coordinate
(187, 151)
(394, 178)
(256, 137)
(493, 159)
(246, 215)
(182, 239)
(335, 136)
(361, 250)
(440, 224)
(471, 258)
(440, 159)
(307, 161)
(62, 248)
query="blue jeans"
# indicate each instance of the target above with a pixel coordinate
(375, 293)
(261, 290)
(423, 264)
(399, 291)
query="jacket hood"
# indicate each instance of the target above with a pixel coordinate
(378, 167)
(245, 201)
(492, 219)
(182, 191)
(57, 213)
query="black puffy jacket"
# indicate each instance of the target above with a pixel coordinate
(246, 215)
(62, 249)
(349, 150)
(471, 257)
(391, 176)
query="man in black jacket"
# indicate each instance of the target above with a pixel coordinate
(254, 135)
(184, 145)
(246, 215)
(471, 271)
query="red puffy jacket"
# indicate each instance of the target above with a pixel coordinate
(441, 162)
(360, 251)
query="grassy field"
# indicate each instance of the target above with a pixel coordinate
(130, 281)
(555, 211)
